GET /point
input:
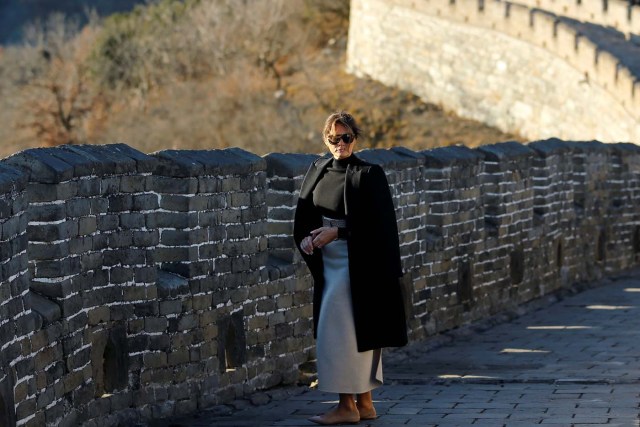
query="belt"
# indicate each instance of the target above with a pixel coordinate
(331, 222)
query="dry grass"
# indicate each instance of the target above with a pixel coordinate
(272, 96)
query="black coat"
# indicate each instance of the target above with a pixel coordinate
(374, 253)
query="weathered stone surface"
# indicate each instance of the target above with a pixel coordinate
(446, 156)
(288, 165)
(191, 272)
(185, 163)
(388, 159)
(48, 309)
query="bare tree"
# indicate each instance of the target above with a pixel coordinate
(57, 95)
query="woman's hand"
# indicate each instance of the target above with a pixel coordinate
(318, 238)
(324, 235)
(307, 245)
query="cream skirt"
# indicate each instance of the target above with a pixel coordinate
(341, 368)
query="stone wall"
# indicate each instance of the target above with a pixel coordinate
(141, 286)
(619, 14)
(522, 70)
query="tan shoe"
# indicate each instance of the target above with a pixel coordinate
(332, 419)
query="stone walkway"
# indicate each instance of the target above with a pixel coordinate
(572, 363)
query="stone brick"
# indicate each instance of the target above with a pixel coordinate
(110, 185)
(119, 239)
(44, 232)
(175, 254)
(177, 203)
(21, 391)
(175, 185)
(187, 322)
(90, 261)
(145, 202)
(170, 307)
(78, 207)
(159, 342)
(72, 381)
(43, 192)
(42, 250)
(168, 220)
(108, 222)
(98, 315)
(25, 408)
(71, 305)
(120, 203)
(132, 184)
(87, 225)
(88, 187)
(132, 220)
(146, 309)
(45, 212)
(148, 238)
(178, 357)
(157, 324)
(155, 360)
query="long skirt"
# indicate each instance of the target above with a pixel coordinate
(341, 368)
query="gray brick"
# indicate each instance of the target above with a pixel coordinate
(108, 222)
(175, 185)
(99, 206)
(91, 261)
(146, 238)
(175, 254)
(120, 203)
(120, 239)
(88, 187)
(44, 212)
(177, 203)
(158, 324)
(207, 184)
(48, 251)
(168, 220)
(110, 185)
(216, 201)
(145, 202)
(170, 307)
(58, 268)
(187, 322)
(145, 274)
(87, 225)
(78, 207)
(177, 237)
(13, 227)
(132, 184)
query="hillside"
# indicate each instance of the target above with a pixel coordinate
(262, 78)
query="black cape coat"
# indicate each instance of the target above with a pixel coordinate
(374, 252)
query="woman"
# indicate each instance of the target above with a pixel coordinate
(345, 228)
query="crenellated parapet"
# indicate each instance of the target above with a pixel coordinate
(140, 286)
(519, 68)
(619, 14)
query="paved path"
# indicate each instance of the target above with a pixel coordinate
(573, 363)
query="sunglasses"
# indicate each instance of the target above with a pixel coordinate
(347, 138)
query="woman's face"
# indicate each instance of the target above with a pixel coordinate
(341, 150)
